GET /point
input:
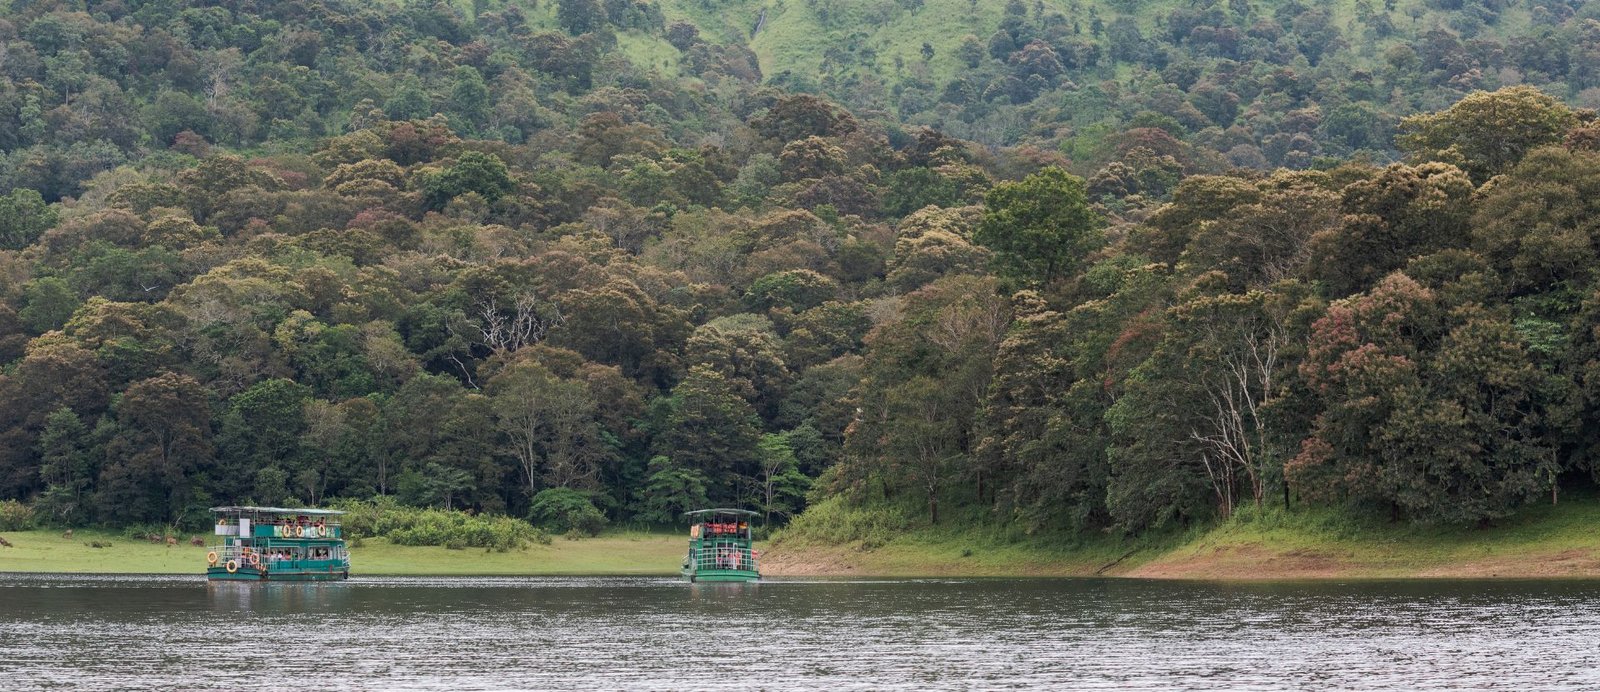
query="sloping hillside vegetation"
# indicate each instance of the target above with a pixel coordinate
(587, 263)
(1247, 84)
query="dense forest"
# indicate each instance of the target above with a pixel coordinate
(1080, 266)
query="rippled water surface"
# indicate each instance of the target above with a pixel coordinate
(161, 633)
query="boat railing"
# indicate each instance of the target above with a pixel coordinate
(713, 557)
(237, 554)
(318, 530)
(288, 530)
(267, 556)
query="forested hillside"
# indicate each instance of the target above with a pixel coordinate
(588, 261)
(1236, 83)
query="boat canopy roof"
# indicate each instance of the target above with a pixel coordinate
(699, 512)
(307, 511)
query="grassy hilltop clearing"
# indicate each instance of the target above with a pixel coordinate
(886, 36)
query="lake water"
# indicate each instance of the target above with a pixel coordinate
(162, 633)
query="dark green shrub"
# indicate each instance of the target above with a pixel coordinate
(564, 510)
(384, 517)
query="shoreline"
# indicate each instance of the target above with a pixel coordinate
(1542, 543)
(1236, 564)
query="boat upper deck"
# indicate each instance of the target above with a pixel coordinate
(720, 523)
(279, 523)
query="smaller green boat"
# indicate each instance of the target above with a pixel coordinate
(720, 546)
(278, 544)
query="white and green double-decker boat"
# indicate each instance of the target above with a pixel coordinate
(720, 546)
(278, 544)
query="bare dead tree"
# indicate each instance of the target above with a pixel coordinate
(527, 322)
(524, 325)
(1233, 434)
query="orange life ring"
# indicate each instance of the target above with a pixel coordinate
(299, 532)
(255, 561)
(211, 558)
(233, 566)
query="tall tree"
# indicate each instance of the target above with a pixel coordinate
(1432, 411)
(579, 16)
(1040, 228)
(709, 428)
(24, 216)
(783, 486)
(151, 467)
(64, 466)
(550, 424)
(1487, 132)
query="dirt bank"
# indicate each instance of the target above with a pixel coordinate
(1231, 562)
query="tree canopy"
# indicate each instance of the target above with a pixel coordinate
(1084, 268)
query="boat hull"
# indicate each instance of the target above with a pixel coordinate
(248, 574)
(722, 575)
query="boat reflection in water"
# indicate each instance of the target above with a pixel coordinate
(233, 597)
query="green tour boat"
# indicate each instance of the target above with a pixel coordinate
(720, 546)
(278, 544)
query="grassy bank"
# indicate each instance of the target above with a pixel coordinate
(1542, 541)
(612, 554)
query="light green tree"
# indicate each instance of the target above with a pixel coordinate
(1487, 132)
(1040, 228)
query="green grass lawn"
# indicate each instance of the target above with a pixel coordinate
(611, 554)
(48, 551)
